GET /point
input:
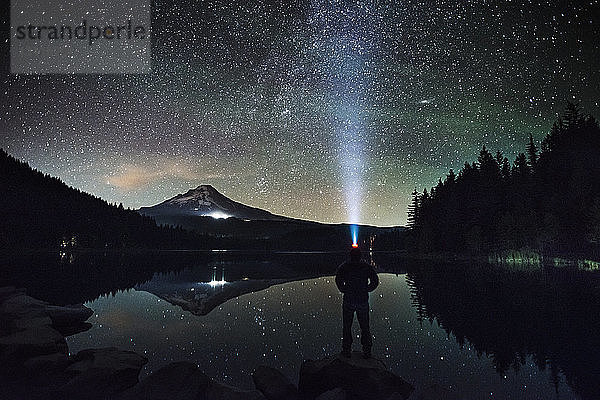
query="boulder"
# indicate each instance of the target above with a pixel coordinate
(101, 373)
(220, 391)
(34, 354)
(273, 384)
(9, 291)
(32, 332)
(333, 394)
(50, 364)
(20, 311)
(359, 378)
(68, 316)
(435, 392)
(73, 329)
(184, 381)
(32, 321)
(18, 305)
(176, 381)
(17, 347)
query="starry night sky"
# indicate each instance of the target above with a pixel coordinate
(311, 108)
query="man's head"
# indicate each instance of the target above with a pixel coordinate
(355, 254)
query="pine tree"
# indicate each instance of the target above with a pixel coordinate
(488, 166)
(532, 153)
(499, 157)
(413, 211)
(572, 117)
(505, 169)
(520, 167)
(593, 228)
(450, 178)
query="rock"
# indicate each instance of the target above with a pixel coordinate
(359, 378)
(47, 365)
(34, 353)
(184, 381)
(9, 291)
(176, 381)
(31, 322)
(20, 311)
(108, 357)
(70, 319)
(19, 305)
(68, 315)
(220, 391)
(33, 341)
(333, 394)
(32, 332)
(273, 384)
(435, 392)
(101, 373)
(73, 329)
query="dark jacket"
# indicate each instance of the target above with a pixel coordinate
(356, 280)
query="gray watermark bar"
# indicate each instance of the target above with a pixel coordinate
(80, 37)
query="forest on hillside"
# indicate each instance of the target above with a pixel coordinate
(547, 200)
(38, 211)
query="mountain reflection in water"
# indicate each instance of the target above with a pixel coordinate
(547, 318)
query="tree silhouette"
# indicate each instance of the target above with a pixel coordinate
(547, 201)
(38, 211)
(413, 209)
(532, 153)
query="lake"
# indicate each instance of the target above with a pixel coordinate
(485, 332)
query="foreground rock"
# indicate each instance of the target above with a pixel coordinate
(70, 319)
(184, 381)
(356, 377)
(435, 392)
(34, 356)
(32, 332)
(102, 373)
(273, 384)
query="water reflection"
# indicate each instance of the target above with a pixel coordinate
(61, 278)
(220, 282)
(551, 316)
(257, 308)
(192, 291)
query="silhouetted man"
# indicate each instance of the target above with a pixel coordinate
(356, 279)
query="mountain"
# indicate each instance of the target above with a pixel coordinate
(205, 200)
(206, 211)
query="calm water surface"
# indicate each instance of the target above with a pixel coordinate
(482, 333)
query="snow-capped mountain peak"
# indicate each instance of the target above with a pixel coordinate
(202, 195)
(205, 200)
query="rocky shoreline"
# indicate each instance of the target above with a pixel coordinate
(35, 364)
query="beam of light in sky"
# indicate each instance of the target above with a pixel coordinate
(345, 31)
